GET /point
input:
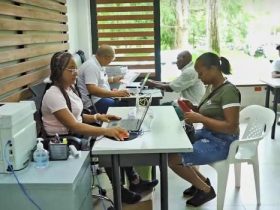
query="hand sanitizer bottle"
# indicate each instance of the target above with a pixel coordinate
(41, 156)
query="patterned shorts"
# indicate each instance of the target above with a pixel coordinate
(209, 147)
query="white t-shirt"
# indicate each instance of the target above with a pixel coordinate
(276, 66)
(188, 84)
(91, 72)
(54, 101)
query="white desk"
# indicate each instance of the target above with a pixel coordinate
(165, 136)
(272, 84)
(64, 185)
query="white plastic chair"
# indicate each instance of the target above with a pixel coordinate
(255, 122)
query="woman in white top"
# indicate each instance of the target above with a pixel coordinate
(62, 107)
(62, 114)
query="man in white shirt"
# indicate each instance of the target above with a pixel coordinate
(93, 83)
(276, 65)
(276, 72)
(187, 84)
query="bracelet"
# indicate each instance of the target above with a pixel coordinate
(95, 117)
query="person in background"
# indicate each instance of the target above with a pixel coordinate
(187, 84)
(218, 111)
(276, 72)
(93, 83)
(276, 65)
(62, 114)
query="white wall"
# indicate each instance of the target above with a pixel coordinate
(250, 96)
(84, 27)
(72, 25)
(78, 13)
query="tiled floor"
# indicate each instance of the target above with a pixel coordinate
(235, 199)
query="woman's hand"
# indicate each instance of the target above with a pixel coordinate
(193, 117)
(116, 132)
(107, 117)
(190, 104)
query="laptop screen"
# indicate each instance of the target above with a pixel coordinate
(144, 113)
(133, 125)
(144, 82)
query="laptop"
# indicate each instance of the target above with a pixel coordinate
(132, 125)
(133, 91)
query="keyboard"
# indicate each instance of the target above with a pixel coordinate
(128, 124)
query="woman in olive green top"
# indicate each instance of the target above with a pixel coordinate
(218, 111)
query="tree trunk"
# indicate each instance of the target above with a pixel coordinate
(182, 16)
(212, 26)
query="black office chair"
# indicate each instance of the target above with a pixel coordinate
(38, 92)
(80, 58)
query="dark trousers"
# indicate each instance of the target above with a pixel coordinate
(130, 173)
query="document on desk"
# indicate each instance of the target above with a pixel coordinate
(129, 77)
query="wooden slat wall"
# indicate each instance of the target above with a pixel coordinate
(129, 28)
(30, 32)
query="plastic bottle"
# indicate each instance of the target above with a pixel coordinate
(41, 156)
(149, 118)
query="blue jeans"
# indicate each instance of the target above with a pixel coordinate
(104, 103)
(209, 147)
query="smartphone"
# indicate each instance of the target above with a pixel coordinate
(183, 106)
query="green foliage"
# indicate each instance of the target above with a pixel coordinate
(233, 23)
(197, 23)
(168, 23)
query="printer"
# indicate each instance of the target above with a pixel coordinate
(17, 125)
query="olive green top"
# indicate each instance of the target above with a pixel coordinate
(226, 96)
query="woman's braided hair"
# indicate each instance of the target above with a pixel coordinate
(59, 62)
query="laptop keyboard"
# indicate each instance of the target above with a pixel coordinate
(132, 91)
(128, 124)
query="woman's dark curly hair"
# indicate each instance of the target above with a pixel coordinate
(59, 62)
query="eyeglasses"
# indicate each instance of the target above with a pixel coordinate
(73, 71)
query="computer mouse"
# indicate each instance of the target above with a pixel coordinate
(124, 136)
(132, 135)
(112, 138)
